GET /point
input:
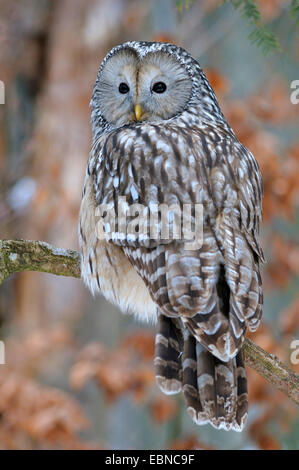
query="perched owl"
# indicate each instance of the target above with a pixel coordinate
(159, 137)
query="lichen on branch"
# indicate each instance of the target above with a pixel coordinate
(28, 255)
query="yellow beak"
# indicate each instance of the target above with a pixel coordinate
(138, 111)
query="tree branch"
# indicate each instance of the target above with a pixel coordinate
(272, 369)
(27, 255)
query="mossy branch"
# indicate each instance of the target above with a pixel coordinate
(27, 255)
(272, 369)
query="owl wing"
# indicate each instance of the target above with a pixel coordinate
(238, 190)
(215, 289)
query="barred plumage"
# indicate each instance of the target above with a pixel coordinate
(182, 151)
(168, 354)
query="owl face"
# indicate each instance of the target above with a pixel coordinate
(147, 88)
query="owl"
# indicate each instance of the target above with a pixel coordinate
(160, 138)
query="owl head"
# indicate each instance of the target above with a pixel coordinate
(149, 82)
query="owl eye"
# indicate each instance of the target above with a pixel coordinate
(159, 87)
(123, 88)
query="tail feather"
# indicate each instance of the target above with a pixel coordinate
(168, 352)
(242, 393)
(214, 391)
(190, 382)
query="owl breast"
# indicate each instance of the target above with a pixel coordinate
(105, 268)
(150, 164)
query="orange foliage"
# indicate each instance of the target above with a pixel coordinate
(284, 260)
(271, 9)
(218, 82)
(289, 319)
(33, 416)
(163, 408)
(117, 371)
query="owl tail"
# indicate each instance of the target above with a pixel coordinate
(215, 391)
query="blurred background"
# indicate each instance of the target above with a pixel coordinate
(78, 373)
